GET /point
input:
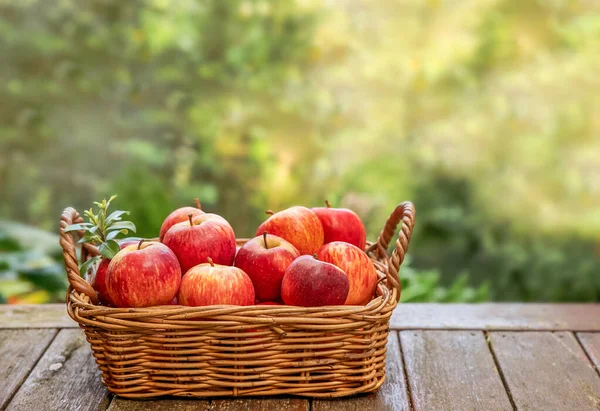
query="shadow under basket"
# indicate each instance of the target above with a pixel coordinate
(212, 351)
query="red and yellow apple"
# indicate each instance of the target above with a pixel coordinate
(341, 224)
(297, 225)
(97, 279)
(143, 275)
(214, 284)
(357, 266)
(200, 237)
(178, 216)
(308, 282)
(265, 259)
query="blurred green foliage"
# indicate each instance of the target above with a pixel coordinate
(483, 115)
(31, 268)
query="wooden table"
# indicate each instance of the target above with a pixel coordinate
(440, 357)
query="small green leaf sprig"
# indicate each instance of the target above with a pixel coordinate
(102, 230)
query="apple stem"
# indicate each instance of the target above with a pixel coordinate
(270, 212)
(198, 205)
(265, 239)
(315, 256)
(190, 218)
(327, 204)
(210, 261)
(140, 243)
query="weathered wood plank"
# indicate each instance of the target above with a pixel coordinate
(546, 371)
(35, 316)
(452, 370)
(65, 378)
(261, 404)
(591, 344)
(498, 316)
(122, 404)
(19, 351)
(393, 394)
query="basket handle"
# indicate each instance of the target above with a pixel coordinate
(404, 212)
(68, 217)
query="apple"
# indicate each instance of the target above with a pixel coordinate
(357, 266)
(341, 224)
(214, 284)
(308, 282)
(97, 279)
(297, 225)
(202, 236)
(268, 303)
(178, 216)
(143, 275)
(265, 260)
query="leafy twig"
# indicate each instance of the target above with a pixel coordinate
(102, 230)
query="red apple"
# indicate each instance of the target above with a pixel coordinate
(268, 303)
(297, 225)
(143, 275)
(357, 265)
(308, 282)
(178, 216)
(213, 284)
(97, 279)
(341, 224)
(265, 260)
(202, 236)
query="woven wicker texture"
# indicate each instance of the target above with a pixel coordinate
(332, 351)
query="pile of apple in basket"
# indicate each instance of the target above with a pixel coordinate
(300, 256)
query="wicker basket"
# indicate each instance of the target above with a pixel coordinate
(214, 351)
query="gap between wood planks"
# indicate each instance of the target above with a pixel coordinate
(587, 350)
(488, 342)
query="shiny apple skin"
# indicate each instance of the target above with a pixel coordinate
(308, 282)
(265, 265)
(297, 225)
(341, 224)
(143, 277)
(177, 216)
(209, 235)
(357, 265)
(98, 279)
(207, 284)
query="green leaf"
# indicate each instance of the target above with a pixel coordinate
(77, 227)
(113, 234)
(83, 268)
(109, 249)
(115, 216)
(123, 225)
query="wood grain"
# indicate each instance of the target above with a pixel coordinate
(393, 394)
(19, 351)
(546, 371)
(497, 316)
(261, 404)
(122, 404)
(452, 370)
(65, 378)
(591, 344)
(35, 316)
